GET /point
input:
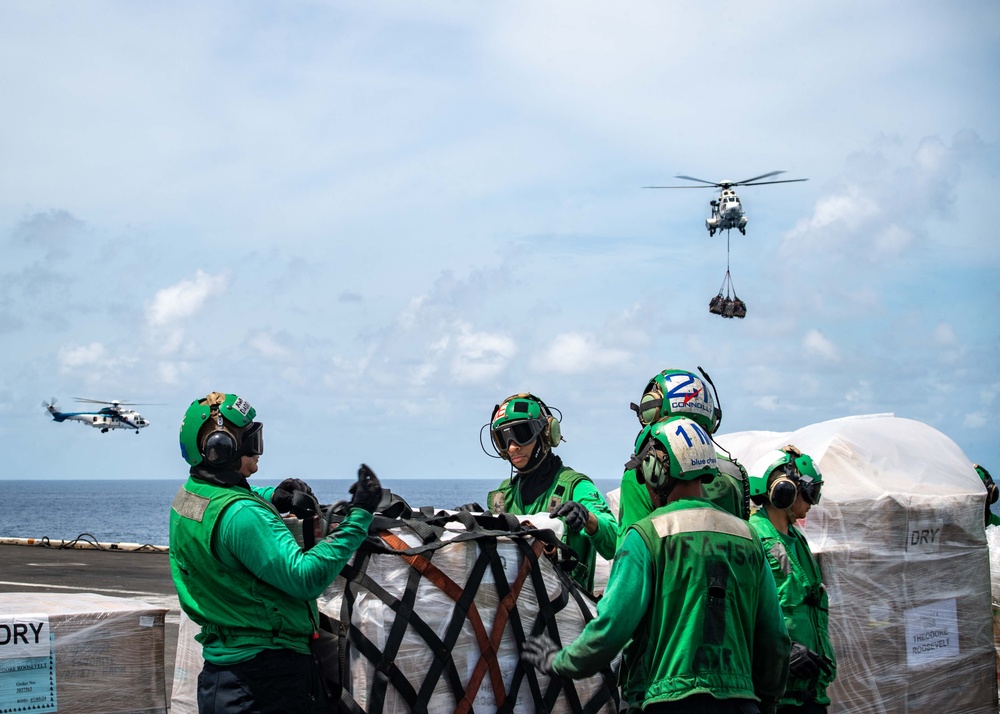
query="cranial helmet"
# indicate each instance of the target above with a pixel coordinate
(522, 418)
(780, 474)
(676, 392)
(675, 448)
(218, 428)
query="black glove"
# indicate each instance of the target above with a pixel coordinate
(366, 492)
(294, 495)
(576, 515)
(806, 664)
(471, 507)
(539, 651)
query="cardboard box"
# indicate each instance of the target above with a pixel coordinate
(81, 653)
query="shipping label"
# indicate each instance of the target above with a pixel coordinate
(932, 633)
(27, 665)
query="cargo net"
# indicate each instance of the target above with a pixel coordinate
(726, 303)
(433, 610)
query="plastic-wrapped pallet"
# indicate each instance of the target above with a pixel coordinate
(993, 538)
(82, 653)
(438, 610)
(900, 539)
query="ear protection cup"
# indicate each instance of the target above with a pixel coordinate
(218, 448)
(782, 492)
(553, 432)
(649, 405)
(651, 471)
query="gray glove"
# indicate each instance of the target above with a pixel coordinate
(539, 651)
(806, 664)
(294, 495)
(366, 492)
(576, 515)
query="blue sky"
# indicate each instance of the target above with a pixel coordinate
(375, 221)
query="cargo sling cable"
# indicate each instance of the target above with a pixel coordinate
(484, 530)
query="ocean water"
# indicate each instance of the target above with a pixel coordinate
(118, 511)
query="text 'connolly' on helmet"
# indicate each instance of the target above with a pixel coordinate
(212, 428)
(677, 448)
(780, 474)
(677, 392)
(522, 418)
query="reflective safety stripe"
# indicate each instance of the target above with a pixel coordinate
(693, 520)
(190, 505)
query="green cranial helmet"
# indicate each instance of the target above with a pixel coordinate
(521, 418)
(228, 414)
(676, 392)
(677, 448)
(778, 475)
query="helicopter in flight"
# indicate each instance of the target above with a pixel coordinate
(112, 416)
(727, 213)
(727, 210)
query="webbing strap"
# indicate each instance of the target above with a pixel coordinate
(485, 530)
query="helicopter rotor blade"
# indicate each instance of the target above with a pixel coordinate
(712, 186)
(692, 178)
(90, 401)
(757, 178)
(762, 183)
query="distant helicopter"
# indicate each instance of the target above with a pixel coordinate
(109, 417)
(727, 211)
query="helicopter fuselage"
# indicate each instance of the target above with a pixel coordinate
(727, 213)
(104, 419)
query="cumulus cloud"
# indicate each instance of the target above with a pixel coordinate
(816, 344)
(94, 359)
(480, 355)
(885, 200)
(181, 301)
(577, 353)
(269, 347)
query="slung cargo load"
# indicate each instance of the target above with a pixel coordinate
(433, 611)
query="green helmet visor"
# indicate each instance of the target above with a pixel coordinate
(520, 432)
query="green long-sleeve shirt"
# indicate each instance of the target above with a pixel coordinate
(692, 601)
(507, 498)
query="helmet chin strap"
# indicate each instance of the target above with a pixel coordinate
(538, 455)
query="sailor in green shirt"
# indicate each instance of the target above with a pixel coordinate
(992, 492)
(785, 484)
(524, 432)
(239, 572)
(690, 599)
(676, 392)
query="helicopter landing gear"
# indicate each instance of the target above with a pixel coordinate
(743, 231)
(104, 430)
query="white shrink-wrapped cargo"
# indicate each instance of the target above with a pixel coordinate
(438, 610)
(900, 538)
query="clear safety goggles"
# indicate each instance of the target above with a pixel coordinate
(520, 432)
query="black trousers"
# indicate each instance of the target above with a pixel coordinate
(273, 682)
(704, 704)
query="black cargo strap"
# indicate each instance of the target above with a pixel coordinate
(485, 529)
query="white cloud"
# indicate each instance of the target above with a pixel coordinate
(72, 358)
(815, 343)
(181, 301)
(577, 353)
(480, 355)
(271, 349)
(767, 403)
